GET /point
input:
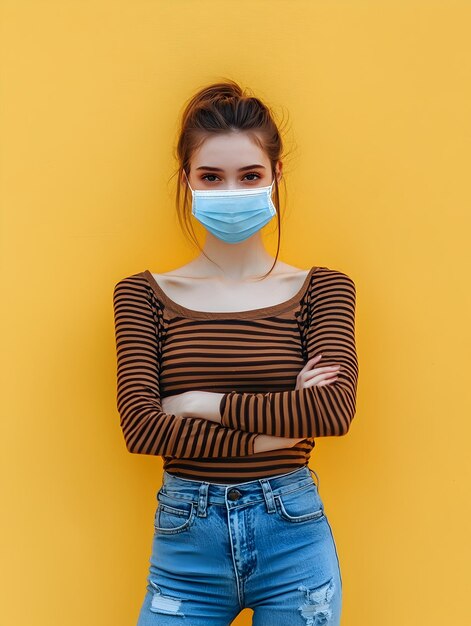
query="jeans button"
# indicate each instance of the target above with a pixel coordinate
(234, 494)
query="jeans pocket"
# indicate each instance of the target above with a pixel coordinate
(300, 505)
(173, 515)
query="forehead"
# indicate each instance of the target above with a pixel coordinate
(229, 151)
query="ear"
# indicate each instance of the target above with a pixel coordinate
(279, 171)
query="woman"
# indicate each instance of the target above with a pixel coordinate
(229, 367)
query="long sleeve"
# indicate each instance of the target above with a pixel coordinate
(312, 411)
(146, 427)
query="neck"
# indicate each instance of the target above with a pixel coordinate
(238, 261)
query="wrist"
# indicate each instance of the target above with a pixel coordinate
(190, 404)
(204, 404)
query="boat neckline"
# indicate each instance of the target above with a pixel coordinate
(279, 307)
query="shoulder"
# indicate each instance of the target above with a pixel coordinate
(133, 282)
(325, 280)
(135, 289)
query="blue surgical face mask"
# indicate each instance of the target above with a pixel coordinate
(233, 215)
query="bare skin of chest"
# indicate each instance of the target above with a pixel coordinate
(215, 294)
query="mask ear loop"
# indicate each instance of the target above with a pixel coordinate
(273, 183)
(273, 207)
(188, 181)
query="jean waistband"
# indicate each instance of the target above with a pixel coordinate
(202, 493)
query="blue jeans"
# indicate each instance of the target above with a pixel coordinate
(265, 544)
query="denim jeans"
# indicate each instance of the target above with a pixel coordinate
(265, 544)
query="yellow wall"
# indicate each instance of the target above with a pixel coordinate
(378, 97)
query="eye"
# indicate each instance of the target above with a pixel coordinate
(210, 177)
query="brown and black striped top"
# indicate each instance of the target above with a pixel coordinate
(253, 357)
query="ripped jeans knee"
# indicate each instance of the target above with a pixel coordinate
(163, 603)
(316, 610)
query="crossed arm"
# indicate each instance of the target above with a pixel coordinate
(226, 425)
(316, 411)
(147, 428)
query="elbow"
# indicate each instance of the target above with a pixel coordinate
(346, 423)
(129, 437)
(131, 447)
(136, 448)
(339, 426)
(132, 439)
(133, 429)
(135, 444)
(346, 412)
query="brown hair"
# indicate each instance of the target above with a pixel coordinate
(220, 108)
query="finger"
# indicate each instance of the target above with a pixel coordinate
(321, 379)
(327, 382)
(314, 359)
(309, 364)
(332, 369)
(328, 368)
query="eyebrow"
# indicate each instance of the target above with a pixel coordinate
(219, 169)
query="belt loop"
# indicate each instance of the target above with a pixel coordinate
(318, 480)
(268, 493)
(202, 499)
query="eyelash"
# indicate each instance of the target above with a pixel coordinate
(249, 174)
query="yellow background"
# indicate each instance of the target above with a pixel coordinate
(378, 99)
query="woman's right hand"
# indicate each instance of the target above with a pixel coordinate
(307, 377)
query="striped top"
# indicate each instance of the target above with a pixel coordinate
(253, 357)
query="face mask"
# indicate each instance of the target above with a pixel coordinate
(233, 215)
